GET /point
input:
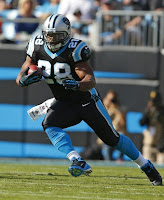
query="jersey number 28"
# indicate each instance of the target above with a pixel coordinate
(61, 70)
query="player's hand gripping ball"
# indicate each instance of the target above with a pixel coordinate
(32, 74)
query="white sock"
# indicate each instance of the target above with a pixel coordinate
(73, 154)
(141, 161)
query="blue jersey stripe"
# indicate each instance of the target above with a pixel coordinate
(48, 51)
(78, 51)
(103, 111)
(93, 91)
(54, 55)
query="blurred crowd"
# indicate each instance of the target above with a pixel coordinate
(153, 135)
(29, 14)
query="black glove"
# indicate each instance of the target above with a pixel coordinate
(28, 79)
(71, 84)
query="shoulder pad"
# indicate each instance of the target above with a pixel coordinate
(34, 41)
(81, 51)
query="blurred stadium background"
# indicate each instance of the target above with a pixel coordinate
(132, 66)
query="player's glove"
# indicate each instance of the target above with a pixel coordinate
(28, 79)
(71, 84)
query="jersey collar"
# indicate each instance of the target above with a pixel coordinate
(54, 55)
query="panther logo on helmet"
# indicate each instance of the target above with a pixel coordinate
(67, 22)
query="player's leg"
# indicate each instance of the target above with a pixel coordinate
(62, 115)
(97, 117)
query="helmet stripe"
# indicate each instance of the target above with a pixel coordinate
(50, 17)
(53, 26)
(50, 20)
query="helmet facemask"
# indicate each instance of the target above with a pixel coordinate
(56, 32)
(55, 40)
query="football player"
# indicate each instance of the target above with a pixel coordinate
(64, 61)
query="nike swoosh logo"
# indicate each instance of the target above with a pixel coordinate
(85, 104)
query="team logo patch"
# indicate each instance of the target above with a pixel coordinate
(66, 21)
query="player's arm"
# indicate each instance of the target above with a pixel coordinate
(25, 65)
(85, 73)
(81, 55)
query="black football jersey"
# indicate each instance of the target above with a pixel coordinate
(60, 65)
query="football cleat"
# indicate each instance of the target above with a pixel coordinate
(151, 172)
(79, 167)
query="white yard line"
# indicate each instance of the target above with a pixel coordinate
(28, 193)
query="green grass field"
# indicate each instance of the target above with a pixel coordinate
(26, 181)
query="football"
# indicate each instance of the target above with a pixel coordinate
(32, 68)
